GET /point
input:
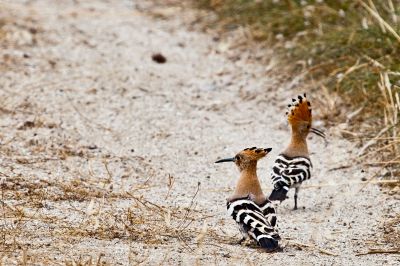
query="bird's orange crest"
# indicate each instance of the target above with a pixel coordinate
(255, 153)
(299, 110)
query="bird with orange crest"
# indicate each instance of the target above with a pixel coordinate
(293, 166)
(248, 206)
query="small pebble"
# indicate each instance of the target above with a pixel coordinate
(159, 58)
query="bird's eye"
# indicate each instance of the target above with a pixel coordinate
(237, 157)
(308, 126)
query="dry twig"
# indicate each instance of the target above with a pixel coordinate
(379, 251)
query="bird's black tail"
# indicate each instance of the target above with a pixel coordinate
(278, 194)
(270, 244)
(268, 241)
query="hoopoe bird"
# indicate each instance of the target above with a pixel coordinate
(293, 165)
(248, 206)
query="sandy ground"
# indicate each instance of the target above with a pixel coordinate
(107, 157)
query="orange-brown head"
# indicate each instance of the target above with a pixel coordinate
(299, 117)
(248, 183)
(247, 158)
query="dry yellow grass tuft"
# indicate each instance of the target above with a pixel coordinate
(41, 217)
(346, 49)
(391, 230)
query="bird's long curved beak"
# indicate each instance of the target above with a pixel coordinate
(226, 160)
(318, 132)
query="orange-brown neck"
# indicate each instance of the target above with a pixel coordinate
(248, 184)
(297, 145)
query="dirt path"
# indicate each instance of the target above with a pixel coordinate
(92, 129)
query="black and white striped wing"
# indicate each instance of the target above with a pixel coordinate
(288, 172)
(252, 219)
(269, 211)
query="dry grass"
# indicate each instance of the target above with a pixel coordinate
(347, 48)
(43, 217)
(391, 230)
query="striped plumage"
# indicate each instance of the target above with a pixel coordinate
(288, 172)
(256, 221)
(248, 206)
(293, 166)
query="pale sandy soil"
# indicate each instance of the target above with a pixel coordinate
(103, 150)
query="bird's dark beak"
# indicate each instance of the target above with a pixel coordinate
(226, 160)
(268, 150)
(318, 132)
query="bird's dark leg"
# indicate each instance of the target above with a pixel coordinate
(243, 230)
(296, 192)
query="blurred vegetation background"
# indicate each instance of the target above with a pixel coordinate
(350, 47)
